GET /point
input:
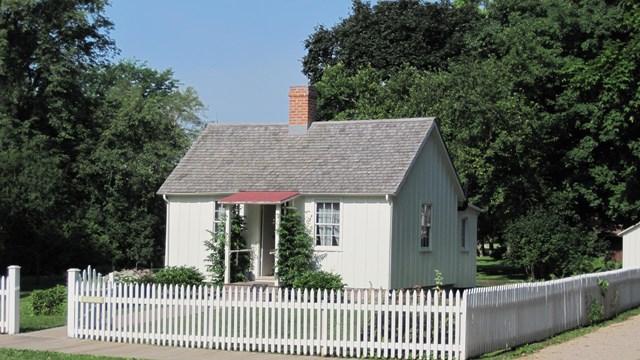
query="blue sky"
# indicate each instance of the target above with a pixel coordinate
(241, 56)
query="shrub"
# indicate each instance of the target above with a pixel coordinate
(179, 275)
(134, 276)
(544, 243)
(318, 280)
(50, 301)
(295, 249)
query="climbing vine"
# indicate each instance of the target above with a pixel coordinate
(240, 261)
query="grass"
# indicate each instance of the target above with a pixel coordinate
(519, 351)
(28, 320)
(31, 322)
(491, 272)
(46, 355)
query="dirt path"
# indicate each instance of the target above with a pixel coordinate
(617, 341)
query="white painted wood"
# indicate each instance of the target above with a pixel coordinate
(507, 316)
(189, 220)
(430, 180)
(361, 258)
(631, 247)
(12, 300)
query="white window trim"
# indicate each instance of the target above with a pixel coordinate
(220, 213)
(425, 249)
(321, 248)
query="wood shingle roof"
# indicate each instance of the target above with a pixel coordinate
(336, 157)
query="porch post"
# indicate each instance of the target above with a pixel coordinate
(277, 244)
(227, 244)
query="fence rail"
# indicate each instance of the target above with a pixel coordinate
(505, 316)
(10, 301)
(354, 323)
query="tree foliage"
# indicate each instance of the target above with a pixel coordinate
(389, 35)
(84, 142)
(545, 245)
(538, 104)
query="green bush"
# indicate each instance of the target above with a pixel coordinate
(179, 275)
(50, 301)
(295, 249)
(318, 280)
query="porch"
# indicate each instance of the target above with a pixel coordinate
(262, 212)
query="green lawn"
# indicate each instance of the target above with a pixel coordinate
(30, 322)
(493, 272)
(9, 354)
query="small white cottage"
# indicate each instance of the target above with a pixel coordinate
(631, 247)
(380, 197)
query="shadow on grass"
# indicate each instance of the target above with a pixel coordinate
(495, 272)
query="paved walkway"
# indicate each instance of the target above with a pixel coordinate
(56, 340)
(617, 341)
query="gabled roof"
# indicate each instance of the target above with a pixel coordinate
(629, 229)
(335, 157)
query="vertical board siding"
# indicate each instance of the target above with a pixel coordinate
(430, 180)
(505, 316)
(354, 323)
(190, 219)
(631, 249)
(362, 258)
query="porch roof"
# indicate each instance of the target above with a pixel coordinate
(259, 197)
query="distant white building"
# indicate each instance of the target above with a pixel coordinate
(381, 198)
(631, 247)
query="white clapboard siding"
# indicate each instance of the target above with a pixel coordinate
(353, 323)
(505, 316)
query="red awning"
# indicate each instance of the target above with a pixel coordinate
(259, 197)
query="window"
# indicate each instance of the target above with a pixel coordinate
(217, 214)
(463, 233)
(425, 233)
(327, 224)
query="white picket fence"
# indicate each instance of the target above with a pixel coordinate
(505, 316)
(353, 323)
(10, 301)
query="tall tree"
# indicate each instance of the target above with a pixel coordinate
(46, 50)
(389, 35)
(532, 106)
(143, 125)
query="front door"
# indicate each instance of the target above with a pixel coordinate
(268, 240)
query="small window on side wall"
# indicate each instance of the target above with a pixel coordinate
(463, 233)
(425, 227)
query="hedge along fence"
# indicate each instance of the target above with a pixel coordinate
(506, 316)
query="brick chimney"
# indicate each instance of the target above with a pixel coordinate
(302, 109)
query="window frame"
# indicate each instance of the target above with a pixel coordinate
(218, 210)
(316, 224)
(429, 227)
(464, 224)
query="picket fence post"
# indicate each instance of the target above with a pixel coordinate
(13, 300)
(72, 299)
